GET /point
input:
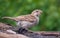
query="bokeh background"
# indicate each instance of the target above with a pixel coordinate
(49, 20)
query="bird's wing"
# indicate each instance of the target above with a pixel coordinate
(29, 18)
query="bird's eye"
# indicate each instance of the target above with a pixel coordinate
(36, 11)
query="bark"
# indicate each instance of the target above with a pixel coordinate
(5, 35)
(23, 33)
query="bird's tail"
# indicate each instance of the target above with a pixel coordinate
(6, 17)
(9, 18)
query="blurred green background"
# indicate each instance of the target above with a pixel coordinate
(49, 20)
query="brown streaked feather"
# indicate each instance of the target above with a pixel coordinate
(29, 18)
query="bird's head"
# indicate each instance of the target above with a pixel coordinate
(37, 12)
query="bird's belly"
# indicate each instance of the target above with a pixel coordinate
(27, 24)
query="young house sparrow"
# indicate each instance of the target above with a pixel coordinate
(27, 21)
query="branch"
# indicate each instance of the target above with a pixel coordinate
(45, 33)
(4, 35)
(26, 34)
(40, 34)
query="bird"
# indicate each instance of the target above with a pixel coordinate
(27, 21)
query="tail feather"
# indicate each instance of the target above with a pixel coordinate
(9, 18)
(6, 17)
